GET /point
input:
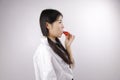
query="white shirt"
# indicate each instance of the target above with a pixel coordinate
(48, 65)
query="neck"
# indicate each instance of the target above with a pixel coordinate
(52, 38)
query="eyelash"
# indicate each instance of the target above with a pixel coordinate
(60, 22)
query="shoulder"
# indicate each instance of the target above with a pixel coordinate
(43, 49)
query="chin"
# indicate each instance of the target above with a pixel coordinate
(59, 36)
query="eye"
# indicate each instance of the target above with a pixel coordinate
(60, 21)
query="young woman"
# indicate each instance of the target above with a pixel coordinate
(53, 61)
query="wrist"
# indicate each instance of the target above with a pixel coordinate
(68, 47)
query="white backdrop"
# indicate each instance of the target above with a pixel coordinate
(95, 23)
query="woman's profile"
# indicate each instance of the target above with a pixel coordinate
(52, 60)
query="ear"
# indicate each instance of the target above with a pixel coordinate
(48, 25)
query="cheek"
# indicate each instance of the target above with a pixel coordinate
(57, 29)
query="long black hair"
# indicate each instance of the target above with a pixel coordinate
(50, 16)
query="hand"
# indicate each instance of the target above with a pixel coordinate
(69, 39)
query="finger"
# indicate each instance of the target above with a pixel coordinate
(68, 36)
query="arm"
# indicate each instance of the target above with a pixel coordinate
(70, 53)
(68, 41)
(43, 65)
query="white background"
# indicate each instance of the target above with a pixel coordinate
(95, 24)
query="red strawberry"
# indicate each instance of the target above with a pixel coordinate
(66, 33)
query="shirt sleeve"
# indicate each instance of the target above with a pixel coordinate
(43, 66)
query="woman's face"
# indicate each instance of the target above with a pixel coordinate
(56, 29)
